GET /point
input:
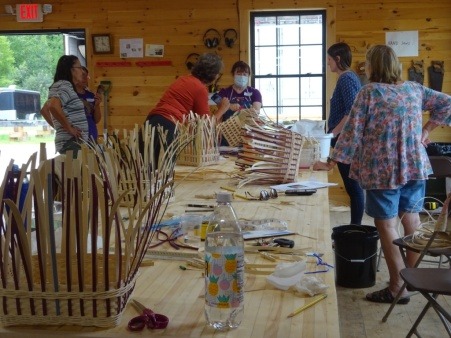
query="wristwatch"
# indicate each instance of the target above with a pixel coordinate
(329, 160)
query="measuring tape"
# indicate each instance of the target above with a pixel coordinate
(171, 255)
(431, 205)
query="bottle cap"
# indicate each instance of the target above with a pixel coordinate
(223, 197)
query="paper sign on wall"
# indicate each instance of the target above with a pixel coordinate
(154, 50)
(131, 48)
(403, 43)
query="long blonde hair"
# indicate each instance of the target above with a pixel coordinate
(384, 64)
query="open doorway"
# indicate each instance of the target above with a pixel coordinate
(27, 66)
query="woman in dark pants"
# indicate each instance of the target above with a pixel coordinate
(339, 59)
(187, 94)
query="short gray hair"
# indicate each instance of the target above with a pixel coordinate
(207, 67)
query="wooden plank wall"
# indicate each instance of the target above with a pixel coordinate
(180, 26)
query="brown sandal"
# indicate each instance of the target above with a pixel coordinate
(385, 296)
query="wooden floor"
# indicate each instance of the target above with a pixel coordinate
(360, 318)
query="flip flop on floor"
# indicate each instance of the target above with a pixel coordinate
(385, 296)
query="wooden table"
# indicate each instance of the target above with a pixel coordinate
(178, 294)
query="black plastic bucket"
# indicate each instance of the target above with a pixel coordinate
(355, 255)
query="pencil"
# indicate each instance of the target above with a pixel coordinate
(306, 306)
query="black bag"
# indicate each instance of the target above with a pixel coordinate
(439, 149)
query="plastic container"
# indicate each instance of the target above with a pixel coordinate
(355, 255)
(324, 144)
(224, 273)
(191, 228)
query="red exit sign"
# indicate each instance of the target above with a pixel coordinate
(29, 13)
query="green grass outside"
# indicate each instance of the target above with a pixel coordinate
(4, 139)
(30, 137)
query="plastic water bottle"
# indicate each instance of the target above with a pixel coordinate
(224, 267)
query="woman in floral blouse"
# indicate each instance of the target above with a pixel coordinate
(384, 142)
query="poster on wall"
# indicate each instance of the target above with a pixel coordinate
(155, 50)
(131, 48)
(404, 43)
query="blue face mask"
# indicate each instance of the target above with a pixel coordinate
(241, 80)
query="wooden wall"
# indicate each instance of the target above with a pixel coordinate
(180, 25)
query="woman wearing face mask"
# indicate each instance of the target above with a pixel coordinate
(240, 95)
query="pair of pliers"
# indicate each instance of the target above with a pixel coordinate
(147, 318)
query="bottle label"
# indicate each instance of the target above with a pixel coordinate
(224, 277)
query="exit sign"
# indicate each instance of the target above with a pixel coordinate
(29, 13)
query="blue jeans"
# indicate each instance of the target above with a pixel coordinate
(387, 203)
(355, 193)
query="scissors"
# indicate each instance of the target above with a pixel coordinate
(147, 318)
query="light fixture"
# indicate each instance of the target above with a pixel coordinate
(47, 9)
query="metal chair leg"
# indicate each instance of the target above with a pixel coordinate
(395, 301)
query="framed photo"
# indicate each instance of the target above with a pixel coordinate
(102, 43)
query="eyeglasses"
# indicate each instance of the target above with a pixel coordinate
(264, 195)
(81, 67)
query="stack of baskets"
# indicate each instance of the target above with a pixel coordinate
(84, 274)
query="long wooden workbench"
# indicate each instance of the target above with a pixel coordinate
(178, 294)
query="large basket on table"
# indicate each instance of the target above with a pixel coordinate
(84, 272)
(269, 155)
(73, 304)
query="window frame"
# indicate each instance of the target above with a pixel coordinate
(278, 107)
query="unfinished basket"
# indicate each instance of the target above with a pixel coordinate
(200, 147)
(88, 303)
(138, 184)
(269, 155)
(84, 272)
(230, 129)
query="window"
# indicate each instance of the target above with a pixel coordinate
(288, 58)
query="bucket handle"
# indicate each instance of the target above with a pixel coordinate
(356, 260)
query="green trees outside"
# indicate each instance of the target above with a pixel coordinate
(28, 61)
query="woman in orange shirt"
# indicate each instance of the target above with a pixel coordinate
(187, 94)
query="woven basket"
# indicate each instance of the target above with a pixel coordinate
(64, 273)
(200, 145)
(230, 129)
(207, 157)
(270, 156)
(145, 193)
(71, 304)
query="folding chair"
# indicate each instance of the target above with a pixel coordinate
(441, 233)
(430, 282)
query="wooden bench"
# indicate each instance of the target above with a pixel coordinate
(46, 131)
(18, 134)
